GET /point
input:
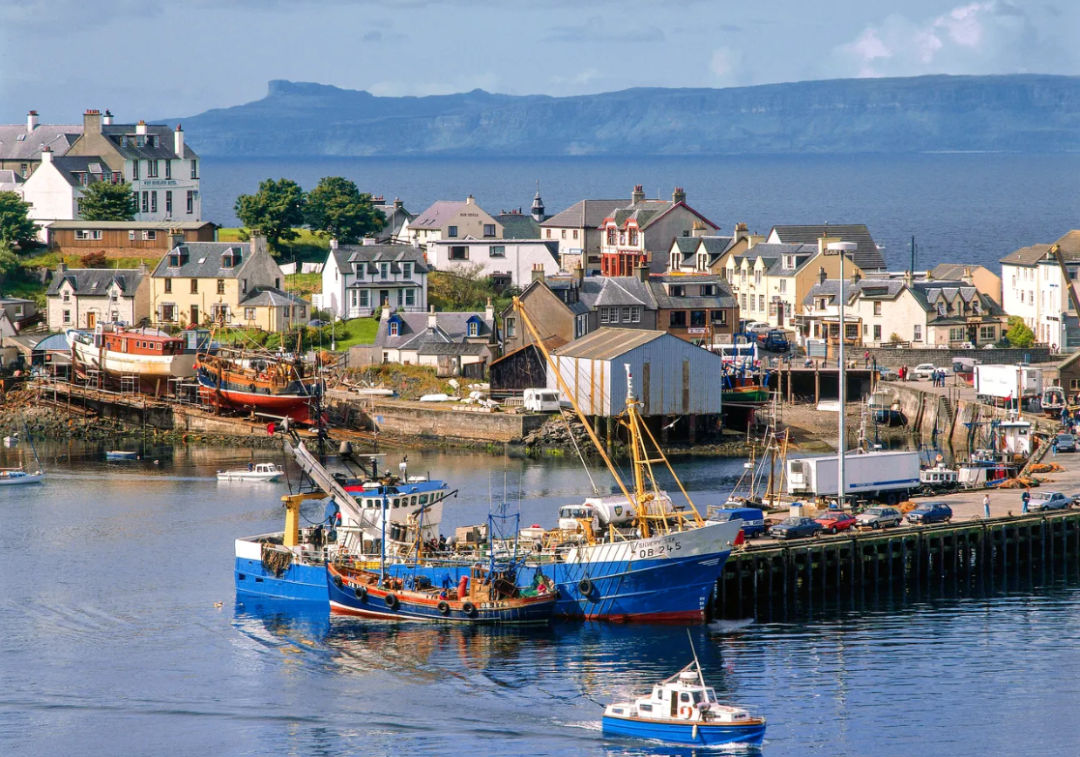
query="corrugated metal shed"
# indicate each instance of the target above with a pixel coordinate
(671, 376)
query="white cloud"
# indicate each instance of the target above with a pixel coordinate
(985, 36)
(393, 88)
(726, 66)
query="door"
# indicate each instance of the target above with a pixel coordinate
(384, 297)
(91, 320)
(194, 314)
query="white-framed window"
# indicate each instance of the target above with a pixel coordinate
(877, 338)
(918, 333)
(635, 314)
(757, 281)
(67, 316)
(451, 231)
(134, 169)
(489, 229)
(511, 324)
(194, 169)
(956, 335)
(151, 169)
(626, 314)
(65, 296)
(364, 300)
(145, 202)
(249, 314)
(877, 311)
(783, 290)
(474, 329)
(168, 198)
(149, 236)
(761, 303)
(406, 270)
(153, 201)
(168, 169)
(987, 333)
(191, 199)
(410, 297)
(384, 270)
(497, 251)
(742, 304)
(88, 234)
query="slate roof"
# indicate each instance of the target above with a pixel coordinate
(96, 281)
(131, 151)
(926, 293)
(687, 245)
(867, 255)
(92, 165)
(270, 297)
(414, 331)
(518, 226)
(1026, 256)
(693, 299)
(586, 214)
(16, 143)
(10, 180)
(608, 344)
(137, 225)
(644, 212)
(202, 260)
(437, 215)
(952, 271)
(601, 291)
(395, 219)
(829, 288)
(347, 254)
(452, 348)
(1070, 245)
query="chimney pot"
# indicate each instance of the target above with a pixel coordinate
(107, 119)
(31, 120)
(679, 195)
(638, 194)
(432, 319)
(92, 122)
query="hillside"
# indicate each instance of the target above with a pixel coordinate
(1017, 113)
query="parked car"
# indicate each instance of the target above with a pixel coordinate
(880, 517)
(888, 374)
(1049, 501)
(753, 519)
(757, 327)
(795, 528)
(835, 521)
(1066, 443)
(924, 370)
(930, 512)
(316, 323)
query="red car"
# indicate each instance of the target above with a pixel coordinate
(835, 521)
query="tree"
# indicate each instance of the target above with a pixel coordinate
(274, 210)
(105, 201)
(462, 287)
(15, 224)
(1019, 333)
(336, 208)
(94, 259)
(9, 261)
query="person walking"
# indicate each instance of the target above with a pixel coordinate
(1024, 499)
(1053, 446)
(866, 358)
(986, 506)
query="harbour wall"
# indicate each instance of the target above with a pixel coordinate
(428, 420)
(894, 358)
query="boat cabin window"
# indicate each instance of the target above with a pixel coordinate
(423, 499)
(397, 503)
(685, 697)
(645, 707)
(413, 500)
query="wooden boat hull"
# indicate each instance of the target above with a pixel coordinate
(685, 732)
(292, 406)
(151, 369)
(352, 597)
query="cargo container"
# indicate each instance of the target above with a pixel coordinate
(887, 476)
(1004, 382)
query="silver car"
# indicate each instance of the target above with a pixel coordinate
(879, 517)
(1049, 501)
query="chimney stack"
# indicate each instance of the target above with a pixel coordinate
(642, 273)
(579, 275)
(398, 204)
(143, 267)
(61, 267)
(432, 319)
(46, 154)
(176, 238)
(856, 277)
(679, 195)
(489, 311)
(178, 141)
(537, 273)
(740, 232)
(31, 121)
(638, 194)
(140, 128)
(258, 243)
(699, 229)
(908, 278)
(470, 200)
(92, 122)
(107, 119)
(967, 278)
(822, 276)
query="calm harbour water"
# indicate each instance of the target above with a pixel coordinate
(974, 207)
(111, 643)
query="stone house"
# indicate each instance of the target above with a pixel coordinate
(81, 298)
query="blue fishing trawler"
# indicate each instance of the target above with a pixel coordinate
(683, 710)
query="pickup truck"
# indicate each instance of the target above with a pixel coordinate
(774, 340)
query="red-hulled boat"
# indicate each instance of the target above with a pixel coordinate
(258, 383)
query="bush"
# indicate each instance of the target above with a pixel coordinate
(95, 259)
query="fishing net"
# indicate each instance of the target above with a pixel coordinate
(1046, 468)
(274, 560)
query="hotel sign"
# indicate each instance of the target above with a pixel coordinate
(696, 331)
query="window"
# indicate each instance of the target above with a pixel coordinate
(852, 331)
(612, 236)
(697, 318)
(145, 202)
(168, 169)
(511, 327)
(564, 233)
(67, 319)
(168, 312)
(135, 169)
(459, 253)
(406, 270)
(772, 308)
(149, 235)
(66, 296)
(783, 290)
(168, 203)
(742, 301)
(168, 290)
(987, 333)
(761, 303)
(877, 338)
(743, 277)
(757, 282)
(151, 169)
(1074, 384)
(194, 169)
(877, 311)
(190, 202)
(363, 297)
(249, 315)
(489, 229)
(88, 234)
(626, 315)
(581, 326)
(112, 296)
(956, 335)
(678, 291)
(24, 169)
(708, 290)
(220, 286)
(635, 314)
(194, 286)
(153, 202)
(474, 330)
(497, 251)
(451, 231)
(575, 233)
(384, 270)
(918, 333)
(678, 319)
(400, 298)
(634, 237)
(410, 297)
(719, 317)
(549, 233)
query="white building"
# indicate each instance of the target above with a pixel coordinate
(82, 298)
(509, 262)
(358, 279)
(55, 189)
(451, 219)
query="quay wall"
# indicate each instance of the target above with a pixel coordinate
(894, 358)
(413, 419)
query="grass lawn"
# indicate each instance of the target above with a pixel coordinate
(304, 284)
(357, 331)
(307, 248)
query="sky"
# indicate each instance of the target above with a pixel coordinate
(162, 58)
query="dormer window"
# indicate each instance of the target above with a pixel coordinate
(474, 329)
(174, 260)
(703, 261)
(406, 270)
(942, 308)
(634, 237)
(789, 261)
(384, 270)
(673, 263)
(708, 290)
(677, 291)
(394, 328)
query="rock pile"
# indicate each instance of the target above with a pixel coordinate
(553, 435)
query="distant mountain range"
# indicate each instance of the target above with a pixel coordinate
(1016, 113)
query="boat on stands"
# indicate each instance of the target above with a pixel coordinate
(256, 472)
(113, 352)
(682, 709)
(258, 382)
(885, 409)
(482, 597)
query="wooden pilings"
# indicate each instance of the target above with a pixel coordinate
(831, 571)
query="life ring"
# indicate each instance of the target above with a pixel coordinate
(685, 711)
(361, 593)
(443, 607)
(337, 581)
(392, 601)
(469, 609)
(585, 586)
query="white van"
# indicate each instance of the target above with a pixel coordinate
(541, 400)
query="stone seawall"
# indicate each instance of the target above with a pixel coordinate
(913, 357)
(414, 419)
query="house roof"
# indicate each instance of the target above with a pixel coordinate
(686, 245)
(586, 214)
(452, 348)
(1070, 244)
(953, 271)
(137, 225)
(1026, 256)
(829, 288)
(867, 255)
(10, 179)
(97, 281)
(437, 215)
(608, 343)
(347, 255)
(16, 143)
(89, 164)
(600, 291)
(518, 226)
(270, 297)
(414, 331)
(202, 260)
(164, 149)
(551, 342)
(693, 299)
(643, 213)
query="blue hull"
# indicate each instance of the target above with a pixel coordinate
(708, 734)
(299, 582)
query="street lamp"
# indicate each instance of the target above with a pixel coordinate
(843, 249)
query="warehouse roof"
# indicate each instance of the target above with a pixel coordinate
(607, 344)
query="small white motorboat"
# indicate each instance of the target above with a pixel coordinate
(256, 472)
(18, 476)
(11, 441)
(121, 455)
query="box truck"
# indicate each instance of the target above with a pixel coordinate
(886, 476)
(997, 383)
